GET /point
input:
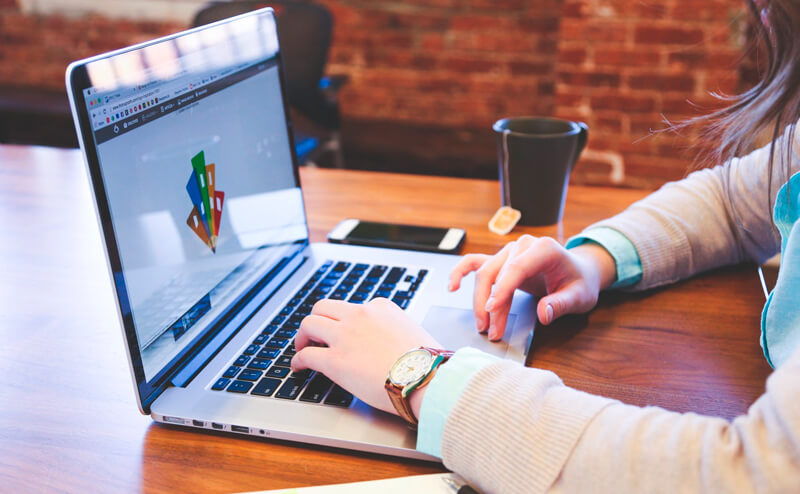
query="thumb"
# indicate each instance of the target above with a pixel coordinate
(565, 301)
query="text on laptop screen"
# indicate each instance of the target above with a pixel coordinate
(196, 161)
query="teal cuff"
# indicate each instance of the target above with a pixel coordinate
(629, 265)
(443, 392)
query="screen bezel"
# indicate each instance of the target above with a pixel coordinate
(77, 79)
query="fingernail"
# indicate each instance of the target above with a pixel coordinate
(451, 287)
(489, 304)
(550, 315)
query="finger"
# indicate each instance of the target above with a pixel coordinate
(498, 313)
(568, 300)
(468, 264)
(313, 357)
(484, 279)
(333, 309)
(537, 258)
(319, 329)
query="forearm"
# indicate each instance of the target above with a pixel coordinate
(713, 217)
(534, 434)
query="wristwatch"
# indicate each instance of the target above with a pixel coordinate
(413, 370)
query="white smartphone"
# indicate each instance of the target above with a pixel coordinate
(410, 237)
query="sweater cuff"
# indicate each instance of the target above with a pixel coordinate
(626, 257)
(443, 392)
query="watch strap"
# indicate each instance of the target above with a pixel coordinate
(399, 396)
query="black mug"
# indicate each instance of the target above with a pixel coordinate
(536, 156)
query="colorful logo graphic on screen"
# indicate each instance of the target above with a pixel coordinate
(206, 214)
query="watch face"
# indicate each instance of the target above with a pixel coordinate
(411, 367)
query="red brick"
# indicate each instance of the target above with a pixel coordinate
(616, 101)
(469, 65)
(433, 42)
(527, 68)
(574, 9)
(703, 59)
(470, 22)
(593, 30)
(572, 55)
(418, 20)
(621, 57)
(663, 82)
(667, 35)
(495, 5)
(540, 23)
(589, 78)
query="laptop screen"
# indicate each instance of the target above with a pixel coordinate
(196, 161)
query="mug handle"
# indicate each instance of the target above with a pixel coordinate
(582, 138)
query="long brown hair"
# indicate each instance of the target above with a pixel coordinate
(772, 106)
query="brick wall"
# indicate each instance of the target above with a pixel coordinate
(623, 64)
(428, 77)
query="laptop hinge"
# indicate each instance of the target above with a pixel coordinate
(193, 367)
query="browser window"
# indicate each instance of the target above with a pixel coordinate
(199, 178)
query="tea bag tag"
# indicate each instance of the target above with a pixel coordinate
(504, 220)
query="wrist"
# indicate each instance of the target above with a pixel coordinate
(415, 400)
(601, 264)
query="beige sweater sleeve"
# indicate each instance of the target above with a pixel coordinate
(520, 430)
(714, 217)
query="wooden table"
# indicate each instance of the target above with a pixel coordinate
(68, 418)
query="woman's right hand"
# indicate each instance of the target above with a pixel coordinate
(566, 281)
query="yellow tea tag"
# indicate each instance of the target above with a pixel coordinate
(504, 220)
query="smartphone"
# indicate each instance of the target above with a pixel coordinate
(410, 237)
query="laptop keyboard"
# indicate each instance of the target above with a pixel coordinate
(263, 368)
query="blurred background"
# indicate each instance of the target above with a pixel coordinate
(420, 82)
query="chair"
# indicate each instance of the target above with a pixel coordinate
(304, 31)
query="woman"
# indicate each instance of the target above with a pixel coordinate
(508, 428)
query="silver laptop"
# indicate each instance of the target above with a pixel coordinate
(189, 150)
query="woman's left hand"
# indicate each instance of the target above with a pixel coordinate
(362, 342)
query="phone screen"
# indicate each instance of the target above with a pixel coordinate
(367, 231)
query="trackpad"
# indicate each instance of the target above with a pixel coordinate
(455, 328)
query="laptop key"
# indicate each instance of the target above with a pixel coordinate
(286, 311)
(341, 266)
(260, 339)
(289, 352)
(269, 353)
(383, 293)
(277, 342)
(338, 296)
(401, 302)
(277, 371)
(316, 390)
(259, 364)
(231, 372)
(286, 333)
(269, 329)
(240, 387)
(357, 297)
(250, 350)
(242, 360)
(278, 320)
(250, 375)
(291, 388)
(220, 384)
(284, 360)
(339, 397)
(266, 387)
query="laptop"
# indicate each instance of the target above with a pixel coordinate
(189, 150)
